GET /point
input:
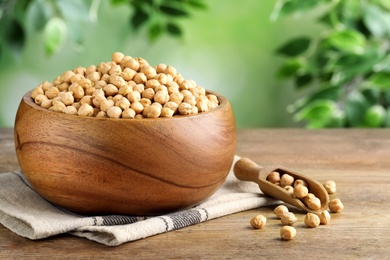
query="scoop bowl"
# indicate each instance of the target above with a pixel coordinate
(124, 166)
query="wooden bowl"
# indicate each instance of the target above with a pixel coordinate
(124, 166)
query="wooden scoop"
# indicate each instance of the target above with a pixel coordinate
(247, 170)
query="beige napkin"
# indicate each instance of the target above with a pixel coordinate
(27, 214)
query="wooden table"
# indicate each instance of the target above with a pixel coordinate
(358, 160)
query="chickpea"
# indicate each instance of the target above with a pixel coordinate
(148, 93)
(90, 69)
(203, 106)
(258, 221)
(114, 112)
(160, 68)
(280, 210)
(145, 102)
(70, 110)
(115, 69)
(300, 181)
(134, 96)
(110, 90)
(66, 98)
(185, 84)
(85, 110)
(313, 203)
(288, 232)
(36, 91)
(289, 189)
(286, 180)
(117, 57)
(100, 84)
(106, 104)
(132, 64)
(185, 108)
(288, 218)
(63, 86)
(103, 68)
(330, 187)
(86, 100)
(128, 113)
(170, 70)
(176, 97)
(79, 70)
(57, 106)
(273, 177)
(300, 191)
(101, 114)
(149, 71)
(117, 80)
(335, 205)
(40, 98)
(93, 76)
(140, 78)
(137, 107)
(324, 217)
(78, 92)
(167, 112)
(162, 78)
(124, 60)
(190, 99)
(171, 105)
(152, 111)
(123, 103)
(66, 76)
(52, 92)
(128, 74)
(139, 87)
(152, 83)
(161, 97)
(312, 220)
(76, 77)
(47, 103)
(172, 87)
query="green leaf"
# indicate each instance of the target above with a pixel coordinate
(294, 47)
(154, 31)
(380, 80)
(371, 94)
(55, 35)
(200, 4)
(302, 81)
(321, 113)
(355, 107)
(14, 34)
(348, 41)
(353, 64)
(37, 15)
(374, 116)
(326, 92)
(287, 7)
(174, 29)
(74, 10)
(385, 4)
(139, 18)
(290, 68)
(376, 20)
(119, 2)
(173, 10)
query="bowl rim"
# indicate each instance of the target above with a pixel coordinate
(223, 103)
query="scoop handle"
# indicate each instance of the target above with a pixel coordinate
(247, 170)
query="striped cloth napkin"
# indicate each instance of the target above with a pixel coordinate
(27, 214)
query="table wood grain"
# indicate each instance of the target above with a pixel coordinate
(357, 160)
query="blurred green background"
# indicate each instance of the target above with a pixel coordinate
(228, 48)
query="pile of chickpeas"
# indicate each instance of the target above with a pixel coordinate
(298, 188)
(125, 87)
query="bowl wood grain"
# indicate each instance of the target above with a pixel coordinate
(124, 166)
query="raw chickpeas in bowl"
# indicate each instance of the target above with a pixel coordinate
(125, 87)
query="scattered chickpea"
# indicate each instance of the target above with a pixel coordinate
(288, 218)
(335, 205)
(330, 186)
(286, 180)
(288, 232)
(324, 217)
(312, 220)
(313, 203)
(258, 221)
(280, 210)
